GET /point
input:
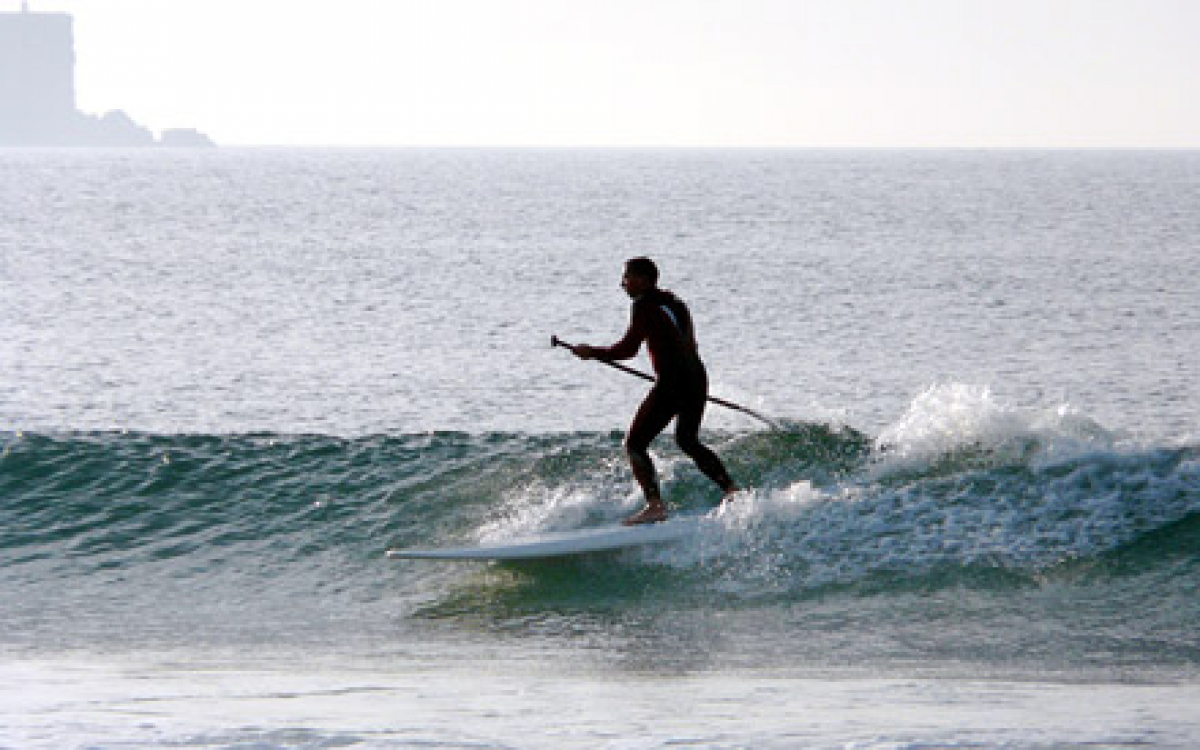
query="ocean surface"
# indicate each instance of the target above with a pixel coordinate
(230, 380)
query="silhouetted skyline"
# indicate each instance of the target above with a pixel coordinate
(37, 91)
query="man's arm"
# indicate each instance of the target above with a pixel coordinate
(626, 348)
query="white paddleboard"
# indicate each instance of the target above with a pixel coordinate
(561, 543)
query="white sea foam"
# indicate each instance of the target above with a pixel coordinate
(949, 418)
(541, 507)
(960, 481)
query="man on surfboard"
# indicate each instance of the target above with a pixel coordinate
(680, 389)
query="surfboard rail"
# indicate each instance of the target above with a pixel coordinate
(560, 543)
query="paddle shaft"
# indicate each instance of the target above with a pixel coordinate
(556, 341)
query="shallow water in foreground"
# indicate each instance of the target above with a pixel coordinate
(515, 704)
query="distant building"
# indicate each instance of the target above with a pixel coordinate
(37, 91)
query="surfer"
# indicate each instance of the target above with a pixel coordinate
(680, 389)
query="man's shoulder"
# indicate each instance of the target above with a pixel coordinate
(670, 299)
(660, 297)
(649, 309)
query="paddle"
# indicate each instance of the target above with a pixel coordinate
(556, 341)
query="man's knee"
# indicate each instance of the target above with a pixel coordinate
(635, 447)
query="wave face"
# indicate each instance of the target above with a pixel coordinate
(965, 531)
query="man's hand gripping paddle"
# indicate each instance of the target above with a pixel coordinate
(556, 341)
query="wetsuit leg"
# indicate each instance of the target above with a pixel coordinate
(652, 418)
(687, 436)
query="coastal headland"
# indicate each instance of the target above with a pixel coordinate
(37, 92)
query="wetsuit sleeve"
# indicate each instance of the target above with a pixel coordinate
(629, 345)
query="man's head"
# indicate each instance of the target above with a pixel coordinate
(641, 275)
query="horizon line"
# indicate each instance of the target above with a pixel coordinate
(728, 147)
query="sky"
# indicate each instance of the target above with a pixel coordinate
(799, 73)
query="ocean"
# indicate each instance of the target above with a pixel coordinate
(231, 379)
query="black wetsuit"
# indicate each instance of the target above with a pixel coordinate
(680, 391)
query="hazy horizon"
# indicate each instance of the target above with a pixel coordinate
(663, 73)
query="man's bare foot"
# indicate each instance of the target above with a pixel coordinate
(652, 513)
